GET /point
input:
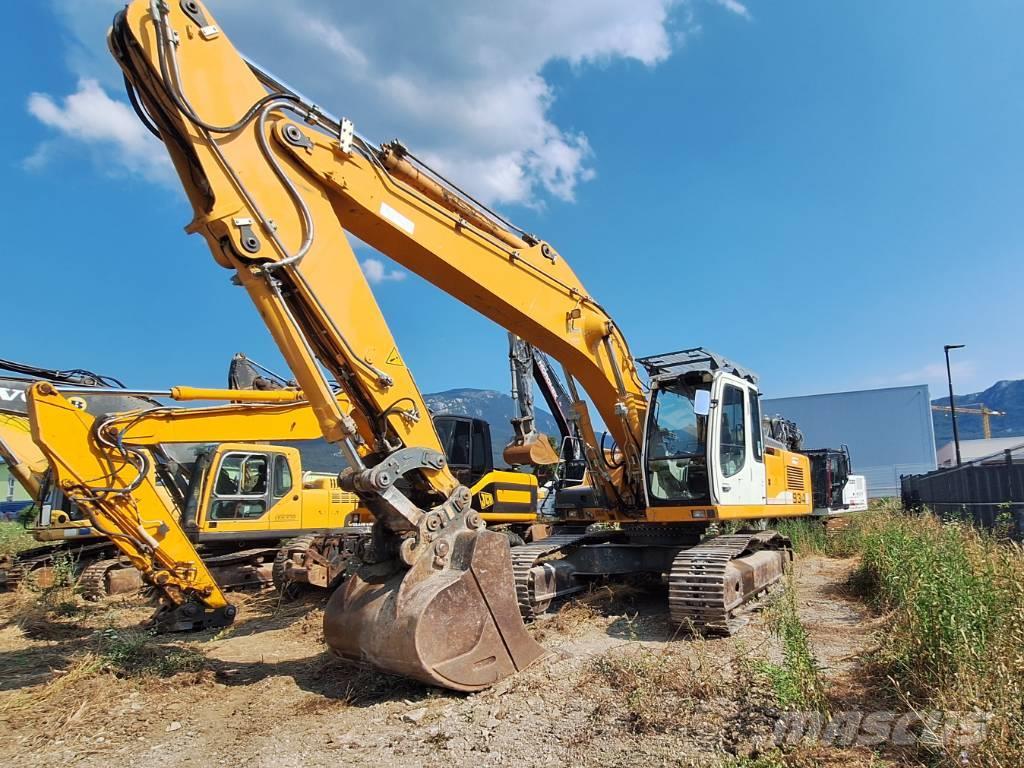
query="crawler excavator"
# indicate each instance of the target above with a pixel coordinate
(54, 527)
(275, 182)
(240, 538)
(247, 492)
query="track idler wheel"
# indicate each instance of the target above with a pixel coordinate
(449, 620)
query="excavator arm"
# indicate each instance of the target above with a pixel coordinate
(26, 462)
(275, 182)
(528, 365)
(528, 446)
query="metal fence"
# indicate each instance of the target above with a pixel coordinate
(988, 491)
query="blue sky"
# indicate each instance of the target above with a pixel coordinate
(826, 192)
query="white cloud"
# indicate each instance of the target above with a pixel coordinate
(464, 85)
(377, 272)
(735, 6)
(934, 372)
(89, 115)
(966, 377)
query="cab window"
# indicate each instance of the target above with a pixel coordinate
(481, 461)
(733, 448)
(282, 476)
(755, 425)
(458, 446)
(241, 487)
(676, 446)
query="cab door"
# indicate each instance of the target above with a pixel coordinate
(737, 448)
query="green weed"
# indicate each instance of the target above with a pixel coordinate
(954, 599)
(14, 538)
(132, 653)
(797, 681)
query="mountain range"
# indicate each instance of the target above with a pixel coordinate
(1005, 396)
(497, 408)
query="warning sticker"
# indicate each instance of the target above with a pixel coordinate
(395, 359)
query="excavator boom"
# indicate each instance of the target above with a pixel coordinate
(439, 602)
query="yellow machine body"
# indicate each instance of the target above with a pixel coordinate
(106, 470)
(252, 489)
(504, 497)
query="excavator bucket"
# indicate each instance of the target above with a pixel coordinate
(451, 620)
(535, 450)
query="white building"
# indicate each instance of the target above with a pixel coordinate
(972, 450)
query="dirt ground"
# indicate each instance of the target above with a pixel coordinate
(616, 689)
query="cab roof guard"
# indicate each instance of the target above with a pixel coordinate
(696, 360)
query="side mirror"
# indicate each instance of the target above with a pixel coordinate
(702, 402)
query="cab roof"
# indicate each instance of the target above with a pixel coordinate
(696, 360)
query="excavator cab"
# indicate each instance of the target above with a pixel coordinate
(677, 442)
(836, 489)
(246, 491)
(705, 454)
(467, 445)
(501, 496)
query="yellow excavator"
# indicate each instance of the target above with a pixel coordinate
(59, 535)
(275, 182)
(239, 538)
(243, 493)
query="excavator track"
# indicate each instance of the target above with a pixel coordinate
(15, 568)
(92, 582)
(286, 555)
(244, 569)
(698, 584)
(524, 557)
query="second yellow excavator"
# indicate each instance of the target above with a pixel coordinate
(275, 182)
(247, 491)
(193, 474)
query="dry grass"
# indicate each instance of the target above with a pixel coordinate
(46, 614)
(120, 653)
(571, 620)
(647, 688)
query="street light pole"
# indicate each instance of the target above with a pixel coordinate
(952, 405)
